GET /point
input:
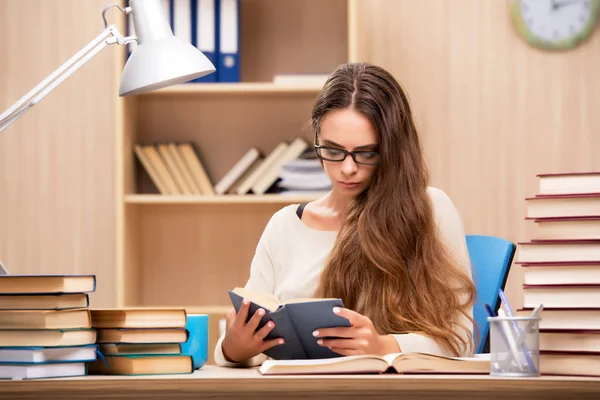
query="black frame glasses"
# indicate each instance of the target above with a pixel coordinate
(345, 153)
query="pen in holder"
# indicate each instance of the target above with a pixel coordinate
(514, 345)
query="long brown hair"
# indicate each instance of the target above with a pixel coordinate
(388, 262)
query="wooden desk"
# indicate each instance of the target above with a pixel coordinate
(215, 382)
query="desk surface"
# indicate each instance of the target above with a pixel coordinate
(211, 382)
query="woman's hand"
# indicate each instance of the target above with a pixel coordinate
(360, 338)
(242, 341)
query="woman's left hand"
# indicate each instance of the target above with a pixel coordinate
(360, 338)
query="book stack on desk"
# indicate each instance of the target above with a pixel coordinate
(141, 342)
(561, 267)
(45, 326)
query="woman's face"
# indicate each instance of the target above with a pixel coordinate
(349, 130)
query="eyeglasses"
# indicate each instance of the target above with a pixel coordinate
(335, 154)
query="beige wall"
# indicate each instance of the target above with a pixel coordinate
(57, 162)
(493, 112)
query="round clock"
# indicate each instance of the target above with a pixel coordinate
(555, 24)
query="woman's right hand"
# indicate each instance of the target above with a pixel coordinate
(242, 341)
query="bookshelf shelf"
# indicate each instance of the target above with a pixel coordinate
(186, 251)
(235, 88)
(224, 199)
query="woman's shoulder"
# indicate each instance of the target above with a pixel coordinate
(443, 207)
(284, 216)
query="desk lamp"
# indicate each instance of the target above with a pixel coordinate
(159, 60)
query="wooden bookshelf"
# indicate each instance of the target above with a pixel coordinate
(217, 199)
(234, 88)
(186, 251)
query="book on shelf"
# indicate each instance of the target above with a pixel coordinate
(174, 168)
(139, 318)
(40, 371)
(569, 340)
(558, 251)
(44, 301)
(271, 174)
(246, 185)
(196, 168)
(572, 363)
(563, 296)
(39, 355)
(295, 321)
(569, 183)
(565, 273)
(141, 335)
(47, 337)
(235, 173)
(401, 363)
(567, 228)
(556, 206)
(243, 179)
(143, 364)
(159, 165)
(47, 284)
(567, 318)
(45, 319)
(151, 170)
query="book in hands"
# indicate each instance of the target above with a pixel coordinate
(400, 363)
(295, 321)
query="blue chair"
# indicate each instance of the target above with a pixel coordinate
(491, 258)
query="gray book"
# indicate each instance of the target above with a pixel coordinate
(295, 322)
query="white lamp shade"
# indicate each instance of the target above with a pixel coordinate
(162, 63)
(160, 58)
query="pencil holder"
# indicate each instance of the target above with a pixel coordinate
(514, 346)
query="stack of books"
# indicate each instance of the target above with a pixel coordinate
(45, 326)
(561, 267)
(174, 168)
(257, 174)
(141, 342)
(304, 176)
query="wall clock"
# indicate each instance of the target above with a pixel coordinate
(555, 24)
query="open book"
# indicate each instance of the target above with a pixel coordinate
(402, 363)
(295, 321)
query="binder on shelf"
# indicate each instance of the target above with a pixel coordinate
(204, 33)
(181, 12)
(228, 26)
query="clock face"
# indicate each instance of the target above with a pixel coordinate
(555, 24)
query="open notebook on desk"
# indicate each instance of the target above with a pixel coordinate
(401, 363)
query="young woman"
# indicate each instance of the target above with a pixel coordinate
(392, 248)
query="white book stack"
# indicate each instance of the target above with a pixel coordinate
(303, 176)
(561, 269)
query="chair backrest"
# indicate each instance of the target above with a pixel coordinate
(491, 258)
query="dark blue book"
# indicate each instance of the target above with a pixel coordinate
(295, 321)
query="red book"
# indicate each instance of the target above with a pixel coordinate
(568, 205)
(569, 183)
(562, 250)
(556, 273)
(562, 296)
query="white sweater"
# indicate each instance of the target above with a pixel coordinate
(290, 256)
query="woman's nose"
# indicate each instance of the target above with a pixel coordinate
(349, 167)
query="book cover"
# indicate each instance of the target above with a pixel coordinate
(294, 322)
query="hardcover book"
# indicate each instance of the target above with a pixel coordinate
(295, 321)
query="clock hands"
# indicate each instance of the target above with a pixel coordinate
(556, 4)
